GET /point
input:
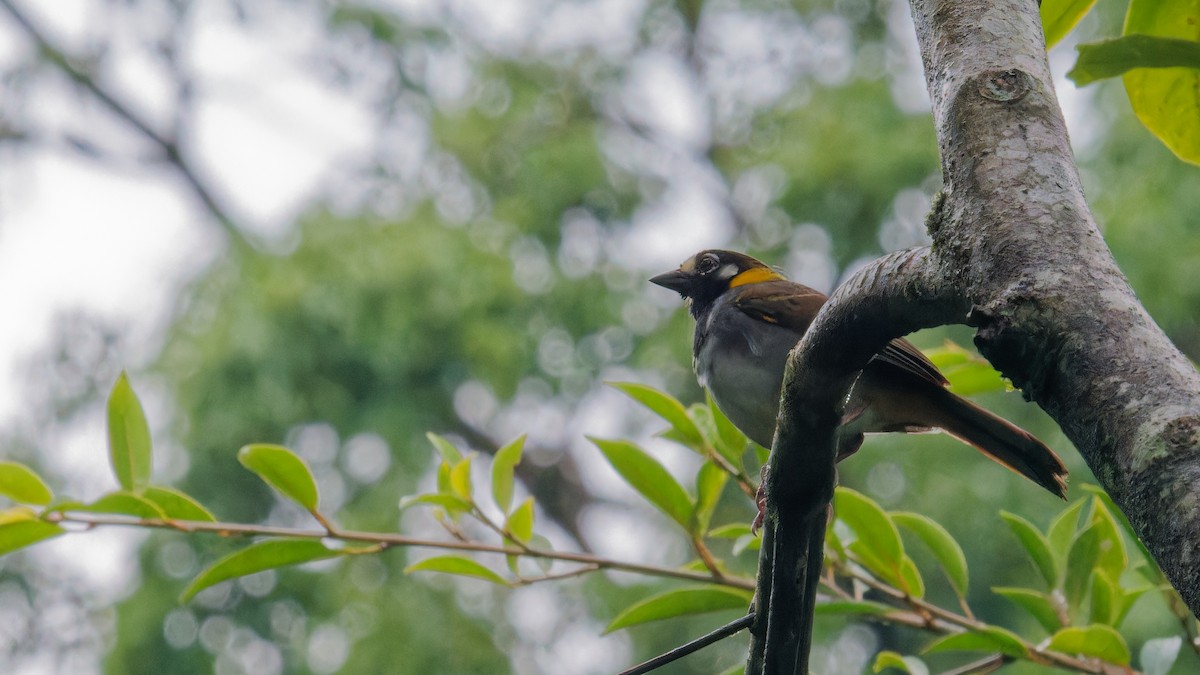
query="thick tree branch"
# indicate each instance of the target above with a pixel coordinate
(893, 296)
(1053, 311)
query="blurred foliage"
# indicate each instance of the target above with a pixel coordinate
(483, 270)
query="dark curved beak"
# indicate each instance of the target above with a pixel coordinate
(675, 280)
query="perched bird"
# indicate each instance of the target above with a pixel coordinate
(748, 318)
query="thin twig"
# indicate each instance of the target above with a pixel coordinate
(168, 146)
(731, 628)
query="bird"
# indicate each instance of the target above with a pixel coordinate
(749, 317)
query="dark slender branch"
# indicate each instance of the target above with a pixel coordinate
(729, 629)
(168, 146)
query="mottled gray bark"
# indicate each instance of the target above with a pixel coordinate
(1053, 311)
(1017, 255)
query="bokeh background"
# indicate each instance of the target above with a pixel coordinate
(339, 225)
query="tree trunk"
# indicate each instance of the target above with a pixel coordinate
(1017, 255)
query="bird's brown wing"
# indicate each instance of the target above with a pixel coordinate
(794, 306)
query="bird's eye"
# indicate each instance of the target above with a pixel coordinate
(707, 264)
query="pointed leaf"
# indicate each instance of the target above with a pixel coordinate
(1113, 557)
(1106, 598)
(1098, 641)
(1035, 545)
(283, 470)
(20, 484)
(1063, 529)
(126, 504)
(990, 639)
(443, 478)
(710, 481)
(177, 505)
(665, 406)
(460, 478)
(128, 437)
(877, 544)
(452, 503)
(1081, 563)
(22, 532)
(457, 565)
(1117, 56)
(257, 557)
(907, 664)
(445, 448)
(1158, 655)
(731, 441)
(910, 578)
(1166, 100)
(731, 531)
(947, 551)
(520, 523)
(504, 465)
(684, 601)
(1060, 16)
(1103, 496)
(1036, 604)
(648, 477)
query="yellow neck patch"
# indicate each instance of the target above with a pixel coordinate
(755, 275)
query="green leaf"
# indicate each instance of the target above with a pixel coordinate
(24, 532)
(177, 505)
(1081, 563)
(1106, 596)
(1035, 545)
(907, 664)
(947, 551)
(969, 374)
(1117, 56)
(445, 448)
(877, 544)
(649, 478)
(731, 441)
(910, 578)
(20, 484)
(710, 481)
(1166, 100)
(853, 607)
(128, 437)
(458, 565)
(1062, 531)
(1036, 604)
(520, 523)
(1158, 655)
(1060, 16)
(1098, 641)
(1113, 557)
(126, 504)
(443, 478)
(263, 555)
(680, 602)
(665, 406)
(504, 465)
(989, 639)
(283, 470)
(730, 531)
(460, 479)
(452, 503)
(1103, 496)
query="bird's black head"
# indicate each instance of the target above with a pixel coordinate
(708, 274)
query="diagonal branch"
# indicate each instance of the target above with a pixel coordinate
(893, 296)
(168, 146)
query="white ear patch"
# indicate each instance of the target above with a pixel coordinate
(727, 271)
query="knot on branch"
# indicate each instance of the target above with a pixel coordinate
(1005, 86)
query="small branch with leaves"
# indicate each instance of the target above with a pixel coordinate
(1083, 557)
